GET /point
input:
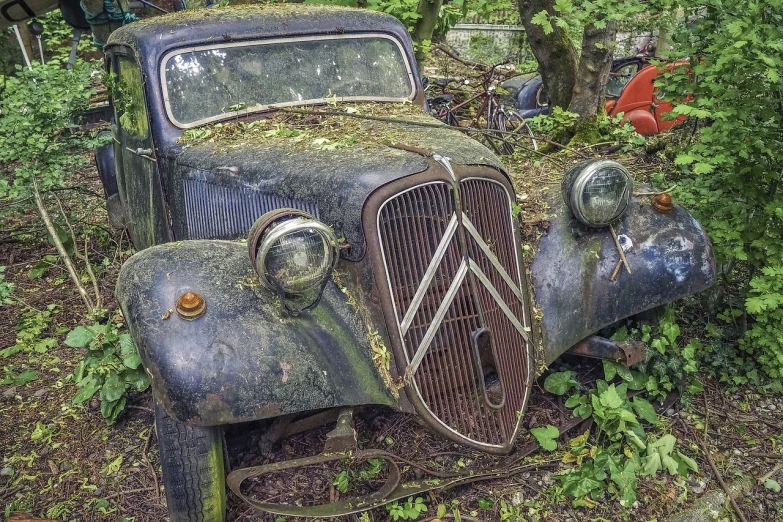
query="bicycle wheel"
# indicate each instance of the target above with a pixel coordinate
(518, 125)
(498, 122)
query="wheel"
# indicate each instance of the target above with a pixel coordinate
(193, 472)
(498, 123)
(519, 125)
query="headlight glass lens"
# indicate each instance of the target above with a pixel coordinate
(296, 254)
(597, 193)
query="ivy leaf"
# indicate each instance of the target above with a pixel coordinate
(546, 436)
(79, 337)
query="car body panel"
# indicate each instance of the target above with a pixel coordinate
(245, 358)
(670, 258)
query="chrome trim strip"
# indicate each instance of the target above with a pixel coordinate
(525, 318)
(429, 274)
(439, 315)
(496, 296)
(492, 258)
(383, 252)
(259, 108)
(446, 162)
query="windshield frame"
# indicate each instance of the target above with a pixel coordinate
(265, 41)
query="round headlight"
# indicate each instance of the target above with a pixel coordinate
(292, 251)
(597, 192)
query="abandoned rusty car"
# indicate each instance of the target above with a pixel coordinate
(310, 242)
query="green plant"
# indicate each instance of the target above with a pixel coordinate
(730, 176)
(408, 510)
(622, 450)
(42, 144)
(510, 512)
(111, 366)
(9, 377)
(30, 336)
(560, 383)
(340, 481)
(546, 436)
(6, 289)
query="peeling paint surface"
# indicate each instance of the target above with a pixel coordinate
(244, 359)
(669, 254)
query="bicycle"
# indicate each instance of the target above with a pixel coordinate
(498, 118)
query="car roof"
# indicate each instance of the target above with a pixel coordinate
(154, 35)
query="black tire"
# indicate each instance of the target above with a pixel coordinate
(193, 472)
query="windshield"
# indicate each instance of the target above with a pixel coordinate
(215, 82)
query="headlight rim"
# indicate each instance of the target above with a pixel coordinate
(261, 239)
(577, 178)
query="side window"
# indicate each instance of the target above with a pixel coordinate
(129, 107)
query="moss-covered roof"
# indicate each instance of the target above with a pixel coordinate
(243, 22)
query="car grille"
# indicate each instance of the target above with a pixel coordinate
(457, 294)
(220, 212)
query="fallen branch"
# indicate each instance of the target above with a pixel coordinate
(718, 476)
(770, 474)
(463, 61)
(147, 462)
(128, 492)
(60, 248)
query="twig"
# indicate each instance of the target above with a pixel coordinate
(84, 258)
(770, 474)
(718, 476)
(766, 455)
(469, 63)
(616, 270)
(655, 193)
(128, 492)
(149, 465)
(619, 248)
(59, 246)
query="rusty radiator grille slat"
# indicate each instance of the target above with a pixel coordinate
(448, 379)
(218, 212)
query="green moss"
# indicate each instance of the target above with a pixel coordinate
(302, 128)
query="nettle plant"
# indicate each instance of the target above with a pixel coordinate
(621, 450)
(111, 367)
(731, 175)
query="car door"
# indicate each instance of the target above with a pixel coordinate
(138, 179)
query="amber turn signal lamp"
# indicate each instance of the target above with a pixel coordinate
(191, 306)
(663, 202)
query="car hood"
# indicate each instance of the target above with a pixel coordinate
(247, 173)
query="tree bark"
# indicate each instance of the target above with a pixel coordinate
(556, 55)
(595, 62)
(425, 25)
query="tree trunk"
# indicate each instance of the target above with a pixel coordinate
(425, 25)
(595, 63)
(556, 55)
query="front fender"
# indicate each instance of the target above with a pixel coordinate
(671, 258)
(244, 359)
